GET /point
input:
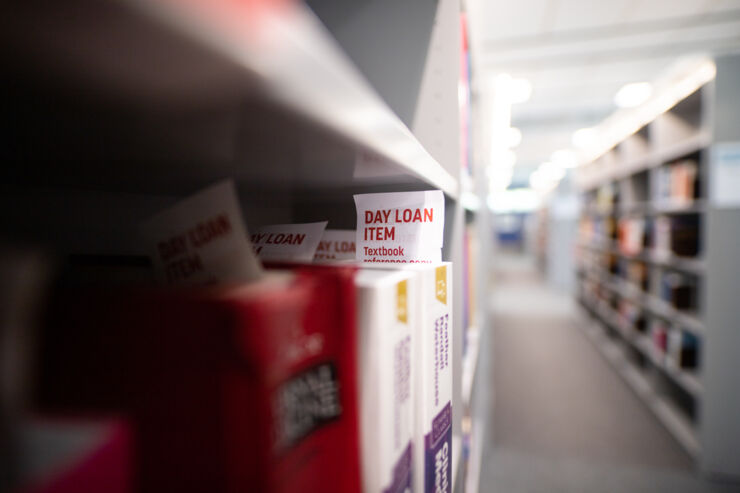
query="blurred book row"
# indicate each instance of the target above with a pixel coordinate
(282, 364)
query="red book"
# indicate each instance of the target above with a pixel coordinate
(240, 389)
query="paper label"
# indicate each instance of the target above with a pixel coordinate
(441, 283)
(400, 227)
(202, 240)
(336, 244)
(291, 242)
(402, 309)
(725, 175)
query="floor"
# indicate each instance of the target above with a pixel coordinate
(562, 420)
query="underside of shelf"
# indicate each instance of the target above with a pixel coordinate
(164, 97)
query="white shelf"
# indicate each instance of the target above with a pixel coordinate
(592, 178)
(456, 457)
(697, 142)
(678, 207)
(693, 265)
(475, 461)
(470, 365)
(674, 421)
(662, 207)
(278, 66)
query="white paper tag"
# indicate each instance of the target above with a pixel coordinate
(725, 183)
(202, 240)
(400, 227)
(336, 244)
(289, 242)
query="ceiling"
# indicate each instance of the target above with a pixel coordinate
(578, 53)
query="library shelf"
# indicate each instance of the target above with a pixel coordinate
(134, 104)
(686, 320)
(695, 143)
(696, 206)
(675, 422)
(686, 146)
(685, 379)
(693, 265)
(664, 176)
(456, 459)
(472, 480)
(243, 72)
(647, 208)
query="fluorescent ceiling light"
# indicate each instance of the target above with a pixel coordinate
(513, 137)
(634, 94)
(564, 158)
(499, 179)
(516, 200)
(514, 90)
(551, 171)
(520, 90)
(504, 159)
(584, 137)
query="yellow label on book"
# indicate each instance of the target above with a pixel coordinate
(441, 284)
(402, 302)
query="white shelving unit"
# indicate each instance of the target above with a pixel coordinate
(120, 108)
(689, 119)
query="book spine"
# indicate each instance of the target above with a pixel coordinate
(436, 398)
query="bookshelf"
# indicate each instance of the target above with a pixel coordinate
(117, 109)
(656, 264)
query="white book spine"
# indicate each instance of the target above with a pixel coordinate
(433, 436)
(386, 367)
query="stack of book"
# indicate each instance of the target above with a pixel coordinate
(325, 376)
(677, 182)
(677, 235)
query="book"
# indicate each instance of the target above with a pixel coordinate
(237, 388)
(387, 373)
(678, 291)
(433, 395)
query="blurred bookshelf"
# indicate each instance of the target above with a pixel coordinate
(657, 262)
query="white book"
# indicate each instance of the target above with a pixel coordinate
(386, 366)
(432, 449)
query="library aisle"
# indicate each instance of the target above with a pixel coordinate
(562, 420)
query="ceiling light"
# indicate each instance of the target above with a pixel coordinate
(551, 171)
(514, 200)
(503, 159)
(584, 137)
(513, 137)
(634, 94)
(520, 90)
(564, 158)
(513, 89)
